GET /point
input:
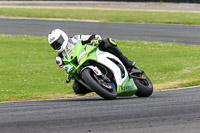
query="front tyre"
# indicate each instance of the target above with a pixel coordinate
(89, 78)
(144, 85)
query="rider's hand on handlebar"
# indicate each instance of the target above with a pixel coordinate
(95, 42)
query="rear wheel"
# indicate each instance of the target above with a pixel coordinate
(99, 85)
(144, 85)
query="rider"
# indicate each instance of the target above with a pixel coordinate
(58, 39)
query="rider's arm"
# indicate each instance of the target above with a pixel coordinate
(85, 38)
(88, 38)
(59, 61)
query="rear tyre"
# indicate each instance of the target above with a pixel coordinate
(88, 76)
(145, 86)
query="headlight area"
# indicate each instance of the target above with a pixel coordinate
(69, 68)
(81, 55)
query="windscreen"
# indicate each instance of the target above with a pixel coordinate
(70, 45)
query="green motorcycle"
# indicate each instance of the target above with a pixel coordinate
(104, 73)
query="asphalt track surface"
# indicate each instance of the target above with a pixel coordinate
(174, 111)
(185, 34)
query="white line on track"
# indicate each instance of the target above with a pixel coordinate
(191, 87)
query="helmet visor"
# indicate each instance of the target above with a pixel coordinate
(58, 43)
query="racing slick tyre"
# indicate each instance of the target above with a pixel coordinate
(96, 85)
(144, 85)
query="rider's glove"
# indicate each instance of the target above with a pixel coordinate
(95, 42)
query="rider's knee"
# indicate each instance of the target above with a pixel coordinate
(112, 42)
(109, 42)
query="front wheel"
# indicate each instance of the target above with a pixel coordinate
(105, 90)
(144, 85)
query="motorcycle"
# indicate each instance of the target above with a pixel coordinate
(103, 73)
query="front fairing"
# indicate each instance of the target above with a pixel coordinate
(78, 55)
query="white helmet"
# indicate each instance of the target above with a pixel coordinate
(58, 40)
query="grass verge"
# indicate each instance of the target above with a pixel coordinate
(106, 15)
(28, 69)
